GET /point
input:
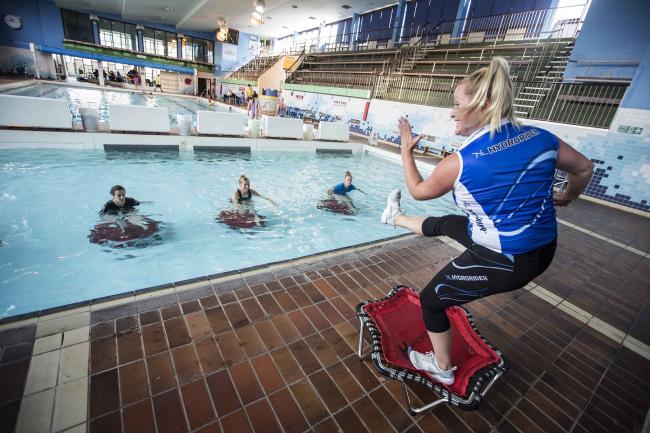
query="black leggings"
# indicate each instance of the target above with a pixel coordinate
(476, 273)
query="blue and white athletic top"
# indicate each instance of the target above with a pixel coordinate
(505, 186)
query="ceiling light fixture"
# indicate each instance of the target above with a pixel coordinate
(259, 6)
(221, 36)
(256, 19)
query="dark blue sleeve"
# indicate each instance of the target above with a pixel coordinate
(338, 188)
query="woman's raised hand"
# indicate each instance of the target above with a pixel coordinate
(407, 141)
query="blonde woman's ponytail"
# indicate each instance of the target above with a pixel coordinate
(491, 88)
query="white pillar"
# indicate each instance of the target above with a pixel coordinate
(196, 82)
(32, 48)
(100, 69)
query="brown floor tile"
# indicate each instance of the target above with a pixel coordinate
(218, 320)
(299, 296)
(169, 413)
(223, 393)
(308, 399)
(230, 348)
(186, 364)
(17, 352)
(287, 365)
(338, 344)
(154, 339)
(246, 383)
(209, 302)
(273, 286)
(316, 317)
(104, 393)
(328, 310)
(102, 329)
(12, 378)
(268, 334)
(258, 289)
(125, 323)
(226, 297)
(199, 325)
(269, 304)
(287, 282)
(149, 317)
(267, 373)
(322, 351)
(304, 356)
(253, 309)
(312, 292)
(389, 406)
(177, 332)
(211, 428)
(209, 357)
(103, 354)
(198, 406)
(138, 418)
(262, 417)
(9, 416)
(129, 347)
(301, 323)
(170, 312)
(285, 301)
(345, 381)
(236, 315)
(133, 382)
(236, 422)
(287, 411)
(327, 390)
(249, 341)
(349, 421)
(343, 307)
(110, 423)
(161, 374)
(326, 426)
(285, 328)
(372, 416)
(325, 288)
(190, 306)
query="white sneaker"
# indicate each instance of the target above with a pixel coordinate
(392, 207)
(427, 362)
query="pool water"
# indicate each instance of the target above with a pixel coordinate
(100, 99)
(49, 201)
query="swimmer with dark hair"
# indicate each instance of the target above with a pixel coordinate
(344, 187)
(245, 193)
(119, 202)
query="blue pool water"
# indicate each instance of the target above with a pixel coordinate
(49, 201)
(100, 99)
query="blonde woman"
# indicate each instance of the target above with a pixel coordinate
(244, 193)
(502, 179)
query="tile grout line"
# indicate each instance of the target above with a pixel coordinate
(603, 238)
(578, 313)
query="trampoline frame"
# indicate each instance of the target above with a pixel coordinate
(480, 383)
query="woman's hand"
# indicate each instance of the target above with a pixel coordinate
(561, 199)
(407, 141)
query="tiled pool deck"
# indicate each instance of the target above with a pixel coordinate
(275, 351)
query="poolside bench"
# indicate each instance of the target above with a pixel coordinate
(282, 127)
(134, 118)
(333, 131)
(33, 112)
(217, 123)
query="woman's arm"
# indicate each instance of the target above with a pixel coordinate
(443, 176)
(233, 198)
(255, 193)
(579, 169)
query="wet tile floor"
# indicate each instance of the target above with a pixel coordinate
(274, 351)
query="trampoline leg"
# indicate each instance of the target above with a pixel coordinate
(360, 349)
(417, 410)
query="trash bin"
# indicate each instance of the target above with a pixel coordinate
(254, 128)
(184, 124)
(307, 131)
(89, 118)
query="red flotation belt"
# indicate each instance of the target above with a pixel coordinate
(241, 220)
(337, 206)
(125, 232)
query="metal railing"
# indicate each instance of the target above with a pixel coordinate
(340, 79)
(585, 104)
(254, 68)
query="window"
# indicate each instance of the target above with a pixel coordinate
(171, 44)
(197, 49)
(117, 34)
(77, 26)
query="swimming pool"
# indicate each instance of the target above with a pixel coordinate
(101, 98)
(49, 201)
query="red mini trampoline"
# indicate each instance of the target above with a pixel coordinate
(395, 322)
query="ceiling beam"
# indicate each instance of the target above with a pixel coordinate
(191, 13)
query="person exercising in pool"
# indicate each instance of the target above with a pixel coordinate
(244, 193)
(120, 208)
(344, 187)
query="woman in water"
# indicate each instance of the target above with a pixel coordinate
(245, 193)
(502, 179)
(344, 187)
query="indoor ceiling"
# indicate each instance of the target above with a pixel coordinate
(281, 18)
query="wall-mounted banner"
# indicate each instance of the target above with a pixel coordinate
(229, 52)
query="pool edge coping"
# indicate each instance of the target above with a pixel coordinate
(104, 302)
